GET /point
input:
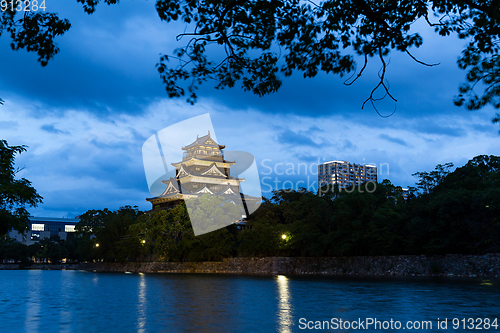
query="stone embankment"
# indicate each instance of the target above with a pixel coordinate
(450, 265)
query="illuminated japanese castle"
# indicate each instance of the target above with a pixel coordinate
(203, 169)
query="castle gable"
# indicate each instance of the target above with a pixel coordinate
(229, 191)
(182, 172)
(209, 141)
(213, 171)
(172, 187)
(204, 140)
(204, 190)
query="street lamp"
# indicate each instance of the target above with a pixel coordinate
(283, 237)
(97, 245)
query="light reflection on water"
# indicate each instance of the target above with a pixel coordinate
(285, 318)
(76, 301)
(33, 301)
(141, 304)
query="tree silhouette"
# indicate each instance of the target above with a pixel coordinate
(15, 194)
(263, 40)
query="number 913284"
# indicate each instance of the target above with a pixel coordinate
(22, 5)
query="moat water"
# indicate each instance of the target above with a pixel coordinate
(77, 301)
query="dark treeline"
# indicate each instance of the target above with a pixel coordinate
(455, 212)
(447, 212)
(46, 250)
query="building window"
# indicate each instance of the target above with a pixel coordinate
(37, 227)
(69, 228)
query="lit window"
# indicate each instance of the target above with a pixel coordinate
(69, 228)
(38, 227)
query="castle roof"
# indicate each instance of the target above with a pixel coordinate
(210, 172)
(196, 160)
(172, 186)
(213, 171)
(201, 168)
(172, 192)
(204, 140)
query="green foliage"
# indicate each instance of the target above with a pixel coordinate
(211, 212)
(33, 30)
(214, 245)
(456, 212)
(168, 233)
(350, 222)
(36, 30)
(263, 38)
(162, 230)
(15, 194)
(50, 249)
(429, 180)
(460, 214)
(11, 249)
(112, 232)
(46, 250)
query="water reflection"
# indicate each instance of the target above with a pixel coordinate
(201, 303)
(285, 318)
(141, 304)
(55, 301)
(32, 322)
(66, 303)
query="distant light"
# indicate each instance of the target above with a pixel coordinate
(97, 245)
(143, 241)
(283, 236)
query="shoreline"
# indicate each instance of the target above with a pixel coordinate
(406, 265)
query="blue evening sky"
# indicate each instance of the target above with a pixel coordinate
(86, 115)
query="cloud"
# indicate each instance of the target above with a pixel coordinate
(9, 124)
(107, 67)
(394, 140)
(435, 127)
(347, 145)
(302, 137)
(99, 163)
(289, 137)
(86, 115)
(308, 158)
(50, 128)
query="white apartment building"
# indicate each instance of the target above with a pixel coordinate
(345, 174)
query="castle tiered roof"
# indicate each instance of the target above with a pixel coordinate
(205, 141)
(203, 169)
